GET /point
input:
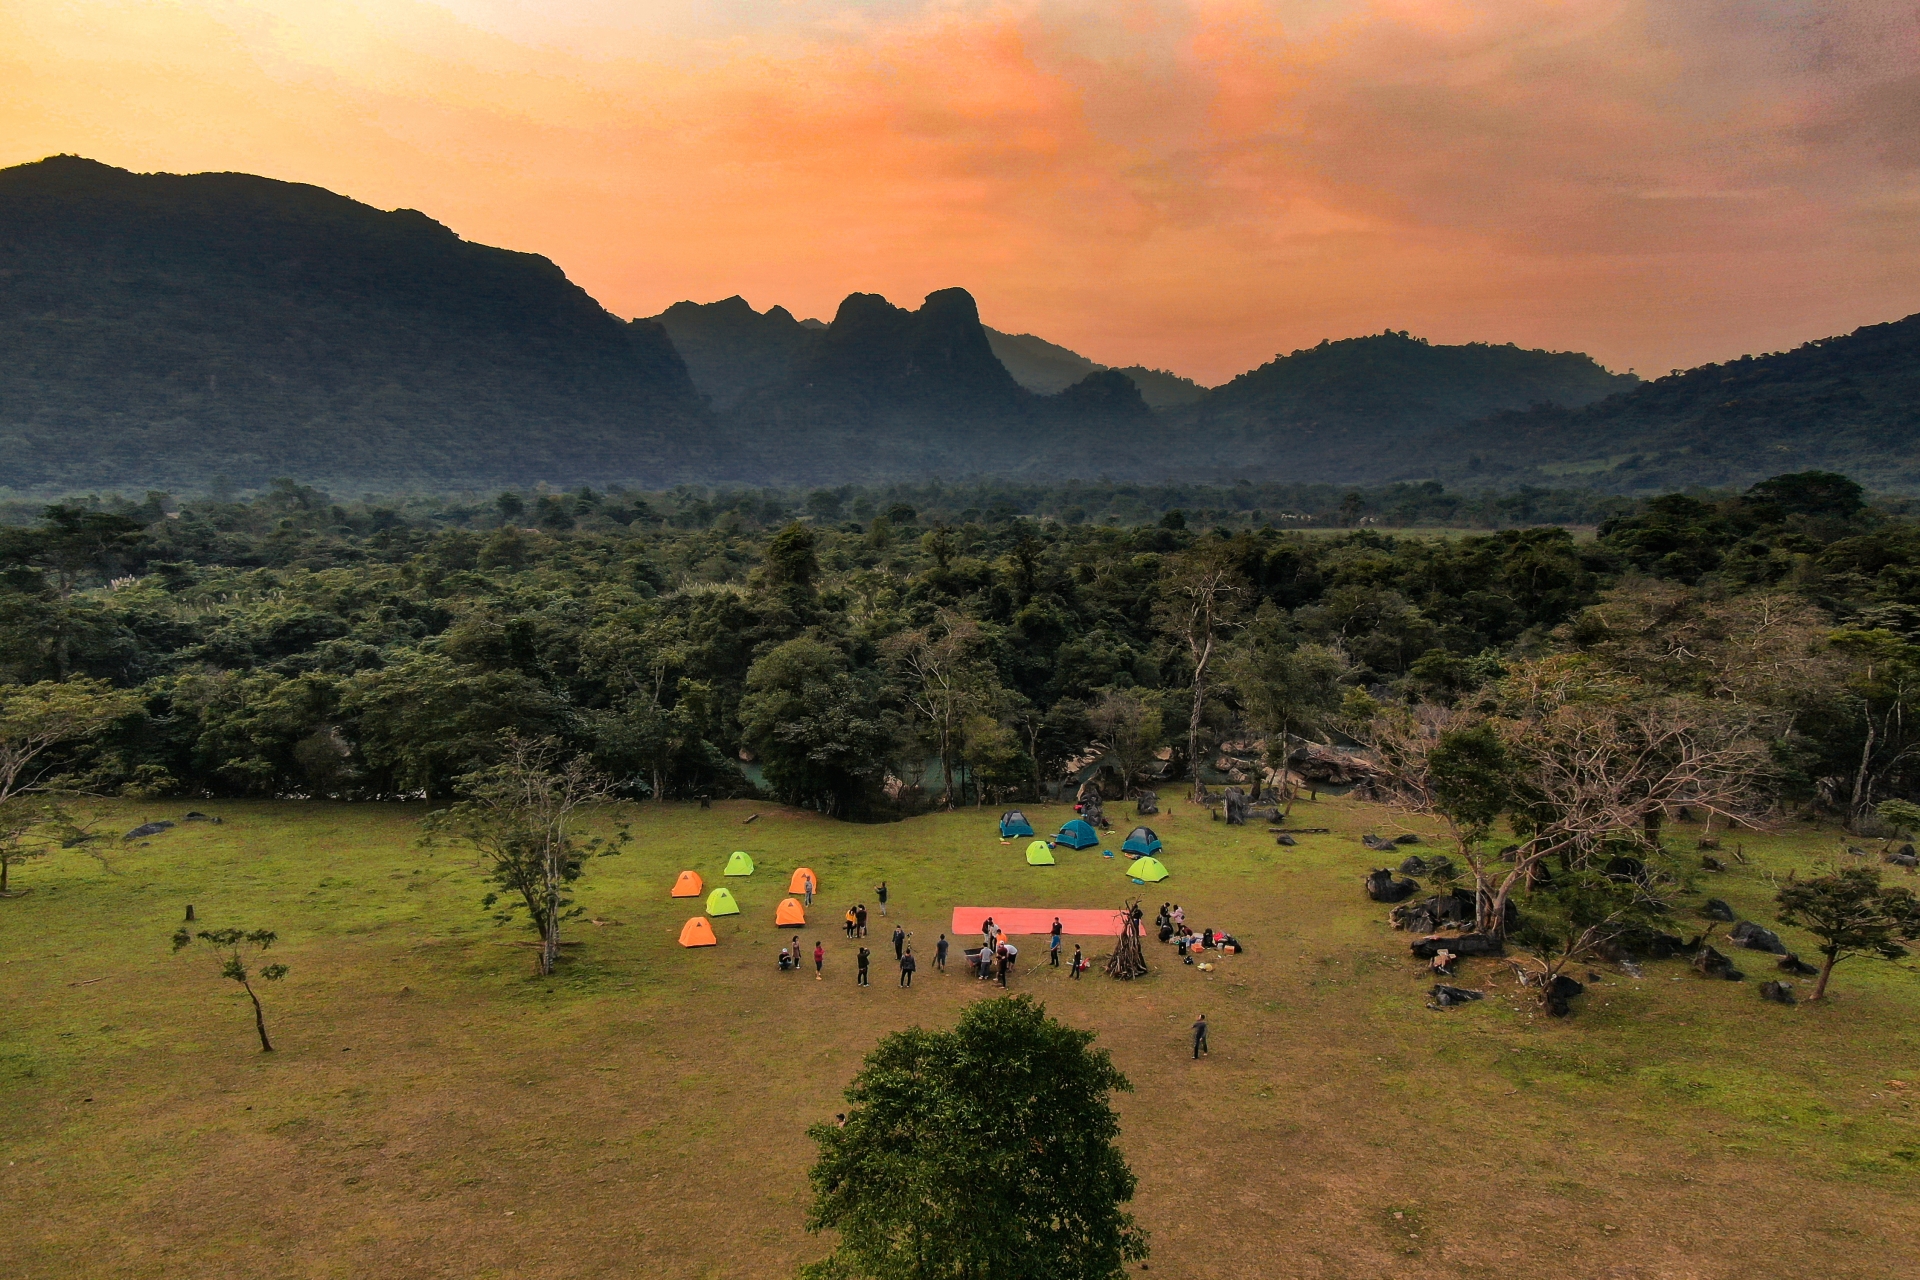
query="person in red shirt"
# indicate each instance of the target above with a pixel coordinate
(819, 958)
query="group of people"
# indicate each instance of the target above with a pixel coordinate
(793, 956)
(1172, 925)
(856, 917)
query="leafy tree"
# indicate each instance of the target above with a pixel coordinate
(1576, 916)
(234, 967)
(976, 1153)
(1131, 728)
(521, 816)
(1900, 817)
(1287, 688)
(34, 720)
(816, 725)
(947, 683)
(1852, 914)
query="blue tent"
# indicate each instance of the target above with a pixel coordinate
(1141, 840)
(1014, 823)
(1078, 834)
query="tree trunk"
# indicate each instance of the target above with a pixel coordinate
(259, 1019)
(1860, 777)
(1826, 971)
(1193, 722)
(5, 866)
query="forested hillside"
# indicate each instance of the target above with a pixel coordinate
(847, 651)
(163, 331)
(1850, 403)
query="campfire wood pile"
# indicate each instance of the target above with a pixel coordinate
(1128, 960)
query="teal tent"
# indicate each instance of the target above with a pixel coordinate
(1141, 840)
(1078, 834)
(1014, 823)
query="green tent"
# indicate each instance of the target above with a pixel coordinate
(1039, 854)
(720, 903)
(739, 865)
(1147, 870)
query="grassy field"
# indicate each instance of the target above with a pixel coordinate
(435, 1110)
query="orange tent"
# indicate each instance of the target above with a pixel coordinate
(789, 913)
(688, 885)
(798, 884)
(698, 933)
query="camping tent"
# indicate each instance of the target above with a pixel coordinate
(720, 903)
(688, 885)
(1014, 823)
(790, 913)
(1147, 870)
(1078, 834)
(797, 883)
(1141, 840)
(739, 864)
(698, 933)
(1040, 854)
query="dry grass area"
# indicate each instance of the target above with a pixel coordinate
(433, 1110)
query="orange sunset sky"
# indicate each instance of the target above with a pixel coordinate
(1191, 185)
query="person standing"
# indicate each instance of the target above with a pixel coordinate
(880, 892)
(861, 960)
(806, 882)
(798, 954)
(940, 954)
(907, 965)
(1200, 1037)
(851, 921)
(899, 940)
(1078, 963)
(1053, 944)
(819, 958)
(860, 919)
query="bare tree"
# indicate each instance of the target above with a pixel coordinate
(34, 719)
(521, 817)
(1200, 596)
(1575, 765)
(946, 683)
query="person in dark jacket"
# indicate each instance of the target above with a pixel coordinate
(940, 954)
(1053, 944)
(899, 940)
(907, 965)
(861, 960)
(1200, 1037)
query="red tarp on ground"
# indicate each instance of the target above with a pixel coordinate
(1079, 924)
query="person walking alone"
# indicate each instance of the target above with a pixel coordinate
(1200, 1037)
(1078, 963)
(899, 940)
(861, 960)
(1053, 944)
(880, 892)
(940, 954)
(819, 958)
(907, 965)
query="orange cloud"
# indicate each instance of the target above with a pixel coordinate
(1189, 184)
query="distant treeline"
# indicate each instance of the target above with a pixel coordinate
(1246, 505)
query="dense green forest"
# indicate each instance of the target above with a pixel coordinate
(866, 654)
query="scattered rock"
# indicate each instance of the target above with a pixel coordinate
(1685, 814)
(1382, 887)
(1754, 938)
(1509, 853)
(1236, 804)
(1791, 963)
(194, 815)
(1467, 946)
(148, 829)
(1559, 992)
(1285, 839)
(1710, 963)
(1325, 765)
(1413, 866)
(1716, 909)
(1379, 844)
(1440, 868)
(1778, 992)
(1903, 860)
(1446, 997)
(1147, 804)
(1622, 867)
(1408, 838)
(1712, 863)
(1708, 842)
